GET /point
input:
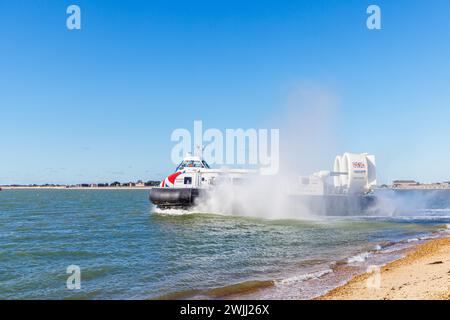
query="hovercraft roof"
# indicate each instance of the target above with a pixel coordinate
(192, 162)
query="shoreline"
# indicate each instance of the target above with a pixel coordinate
(423, 274)
(341, 275)
(74, 188)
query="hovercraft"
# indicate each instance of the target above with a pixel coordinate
(347, 190)
(192, 179)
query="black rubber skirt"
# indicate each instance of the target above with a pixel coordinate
(174, 197)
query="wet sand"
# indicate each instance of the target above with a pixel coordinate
(423, 274)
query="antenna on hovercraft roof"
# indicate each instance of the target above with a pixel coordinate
(199, 152)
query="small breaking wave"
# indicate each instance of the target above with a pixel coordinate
(359, 258)
(423, 238)
(434, 210)
(172, 212)
(241, 288)
(304, 277)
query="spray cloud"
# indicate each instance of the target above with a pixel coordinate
(307, 143)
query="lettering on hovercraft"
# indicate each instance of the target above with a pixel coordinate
(359, 165)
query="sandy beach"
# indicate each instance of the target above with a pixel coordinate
(423, 274)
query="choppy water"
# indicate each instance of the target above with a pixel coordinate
(126, 251)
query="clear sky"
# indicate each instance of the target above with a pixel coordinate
(99, 104)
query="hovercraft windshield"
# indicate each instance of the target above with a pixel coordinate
(192, 163)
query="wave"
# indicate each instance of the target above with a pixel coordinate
(172, 212)
(304, 277)
(239, 288)
(242, 288)
(220, 292)
(97, 272)
(433, 210)
(359, 258)
(185, 212)
(388, 249)
(421, 217)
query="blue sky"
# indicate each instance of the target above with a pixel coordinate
(99, 104)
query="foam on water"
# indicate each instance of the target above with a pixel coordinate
(304, 277)
(172, 212)
(359, 258)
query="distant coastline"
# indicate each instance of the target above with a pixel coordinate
(414, 185)
(86, 186)
(396, 185)
(72, 188)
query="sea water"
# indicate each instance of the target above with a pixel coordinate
(127, 250)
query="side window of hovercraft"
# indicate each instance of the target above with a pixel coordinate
(187, 180)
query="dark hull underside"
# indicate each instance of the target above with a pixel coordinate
(334, 205)
(185, 198)
(182, 198)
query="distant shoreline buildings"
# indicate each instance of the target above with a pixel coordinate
(412, 184)
(396, 185)
(115, 184)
